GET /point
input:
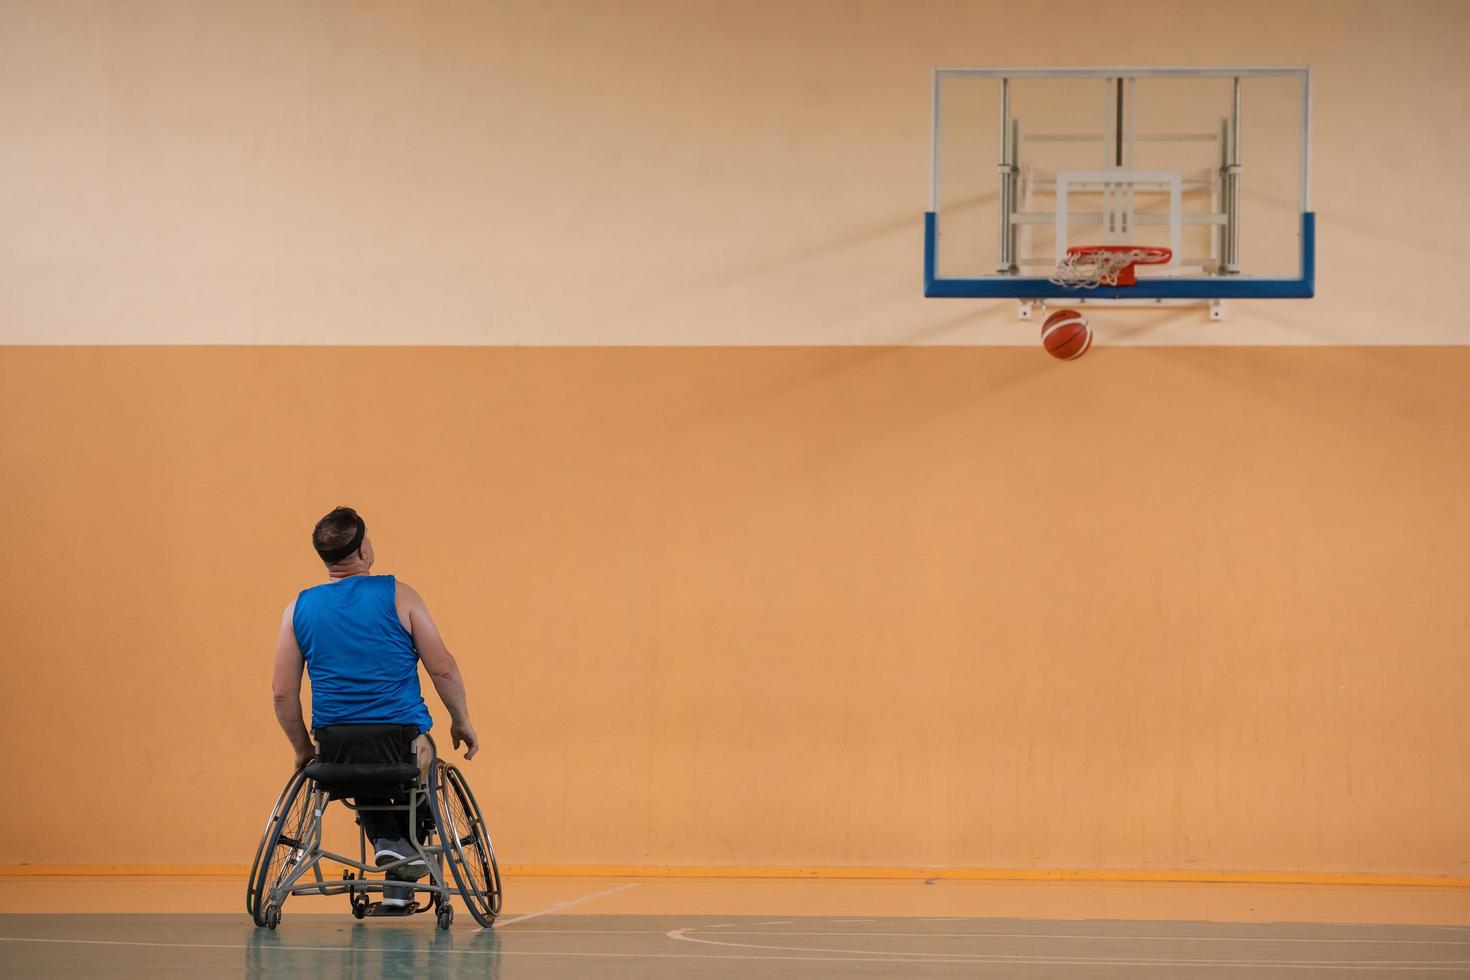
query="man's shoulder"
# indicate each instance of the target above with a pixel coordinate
(404, 592)
(307, 593)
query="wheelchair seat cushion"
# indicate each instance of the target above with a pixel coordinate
(349, 778)
(364, 757)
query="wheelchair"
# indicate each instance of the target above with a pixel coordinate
(288, 859)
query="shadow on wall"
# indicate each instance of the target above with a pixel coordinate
(865, 284)
(1350, 221)
(857, 383)
(909, 224)
(1381, 371)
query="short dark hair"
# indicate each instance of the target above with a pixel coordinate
(335, 531)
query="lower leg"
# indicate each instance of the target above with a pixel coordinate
(381, 824)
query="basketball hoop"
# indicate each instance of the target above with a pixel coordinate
(1090, 266)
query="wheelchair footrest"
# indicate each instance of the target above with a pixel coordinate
(391, 911)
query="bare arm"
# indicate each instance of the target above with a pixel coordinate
(441, 665)
(286, 690)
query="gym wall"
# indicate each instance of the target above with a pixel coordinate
(607, 316)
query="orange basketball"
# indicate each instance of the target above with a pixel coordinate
(1066, 335)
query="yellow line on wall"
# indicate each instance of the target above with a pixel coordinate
(882, 874)
(120, 870)
(995, 874)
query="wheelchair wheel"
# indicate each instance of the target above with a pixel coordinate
(250, 905)
(280, 848)
(466, 842)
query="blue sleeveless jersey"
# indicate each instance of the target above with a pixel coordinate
(360, 659)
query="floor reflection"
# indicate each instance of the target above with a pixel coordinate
(373, 950)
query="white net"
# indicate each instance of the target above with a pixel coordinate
(1089, 269)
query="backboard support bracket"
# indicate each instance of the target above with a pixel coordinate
(1029, 309)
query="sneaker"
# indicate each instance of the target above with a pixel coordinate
(389, 850)
(396, 897)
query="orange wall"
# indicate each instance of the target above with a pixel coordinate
(1163, 608)
(1194, 602)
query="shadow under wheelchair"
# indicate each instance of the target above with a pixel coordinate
(288, 860)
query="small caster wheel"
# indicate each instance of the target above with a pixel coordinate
(444, 917)
(359, 909)
(352, 902)
(272, 916)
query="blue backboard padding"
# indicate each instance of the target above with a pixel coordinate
(1201, 287)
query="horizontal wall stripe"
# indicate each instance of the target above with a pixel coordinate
(832, 874)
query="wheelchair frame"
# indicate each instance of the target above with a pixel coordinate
(293, 833)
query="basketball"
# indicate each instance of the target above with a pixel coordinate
(1066, 335)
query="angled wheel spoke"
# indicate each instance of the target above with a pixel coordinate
(282, 847)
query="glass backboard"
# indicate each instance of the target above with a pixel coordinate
(1210, 163)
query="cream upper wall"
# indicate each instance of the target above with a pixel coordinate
(637, 173)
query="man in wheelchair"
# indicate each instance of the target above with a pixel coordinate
(360, 638)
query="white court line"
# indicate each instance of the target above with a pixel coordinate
(560, 906)
(1064, 935)
(995, 935)
(881, 958)
(917, 957)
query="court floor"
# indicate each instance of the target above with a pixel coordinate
(600, 928)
